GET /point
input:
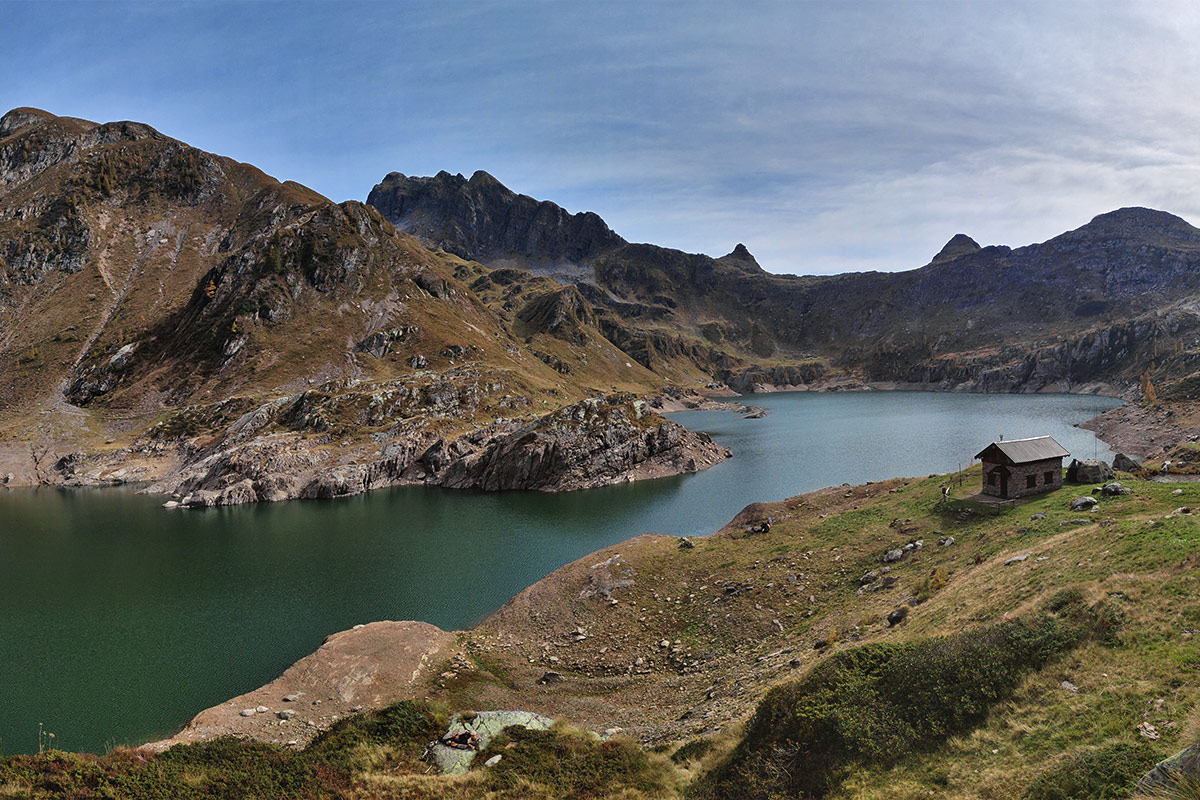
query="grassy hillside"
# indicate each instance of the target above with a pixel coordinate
(1073, 669)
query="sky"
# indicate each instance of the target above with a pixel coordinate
(826, 136)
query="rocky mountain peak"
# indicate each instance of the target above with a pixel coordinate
(959, 245)
(1138, 221)
(740, 253)
(19, 118)
(482, 179)
(483, 220)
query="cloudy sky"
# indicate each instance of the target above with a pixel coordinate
(826, 136)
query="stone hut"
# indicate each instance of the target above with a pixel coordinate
(1021, 467)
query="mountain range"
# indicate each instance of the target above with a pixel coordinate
(175, 316)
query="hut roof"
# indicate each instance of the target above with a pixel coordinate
(1022, 451)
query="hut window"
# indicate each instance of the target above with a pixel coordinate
(1048, 478)
(1030, 481)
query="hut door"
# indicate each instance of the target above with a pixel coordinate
(1003, 482)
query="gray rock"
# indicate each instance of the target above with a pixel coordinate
(595, 442)
(286, 714)
(1125, 463)
(1037, 516)
(485, 726)
(1070, 687)
(685, 543)
(1017, 559)
(493, 761)
(1083, 503)
(247, 712)
(945, 541)
(897, 616)
(1115, 488)
(550, 677)
(892, 556)
(418, 361)
(1183, 766)
(291, 698)
(1090, 471)
(868, 577)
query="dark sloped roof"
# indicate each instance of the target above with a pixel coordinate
(1022, 451)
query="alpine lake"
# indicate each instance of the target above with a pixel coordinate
(120, 620)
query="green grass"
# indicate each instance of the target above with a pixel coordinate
(1105, 773)
(876, 703)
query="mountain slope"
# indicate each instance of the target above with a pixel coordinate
(216, 328)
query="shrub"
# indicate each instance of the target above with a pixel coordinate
(929, 586)
(692, 751)
(404, 724)
(875, 703)
(1108, 772)
(571, 765)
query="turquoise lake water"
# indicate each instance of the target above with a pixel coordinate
(120, 620)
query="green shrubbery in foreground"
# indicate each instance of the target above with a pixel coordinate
(558, 763)
(876, 703)
(227, 768)
(1106, 773)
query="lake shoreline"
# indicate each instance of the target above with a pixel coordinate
(447, 557)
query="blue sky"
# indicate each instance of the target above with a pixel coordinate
(826, 136)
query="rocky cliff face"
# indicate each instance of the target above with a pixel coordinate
(481, 219)
(596, 442)
(270, 453)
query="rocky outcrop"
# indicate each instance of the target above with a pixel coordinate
(596, 442)
(563, 314)
(284, 449)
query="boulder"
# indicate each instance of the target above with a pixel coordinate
(1090, 471)
(892, 556)
(897, 616)
(1083, 503)
(1125, 463)
(1113, 489)
(1182, 767)
(468, 734)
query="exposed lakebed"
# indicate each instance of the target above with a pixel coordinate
(120, 620)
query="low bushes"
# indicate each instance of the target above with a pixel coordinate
(875, 703)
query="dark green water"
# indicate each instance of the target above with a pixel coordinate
(120, 620)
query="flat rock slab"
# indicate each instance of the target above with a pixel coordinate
(362, 669)
(485, 725)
